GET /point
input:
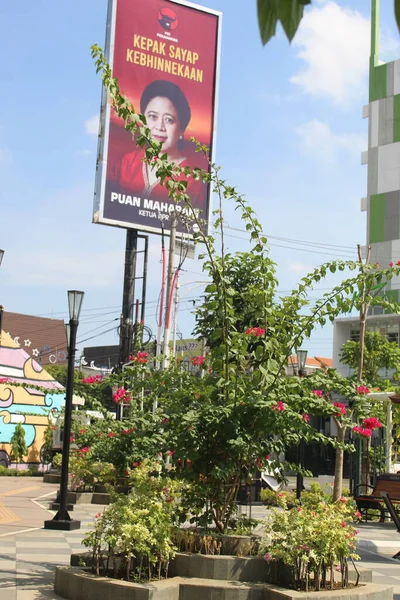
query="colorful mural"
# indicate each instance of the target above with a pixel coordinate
(25, 405)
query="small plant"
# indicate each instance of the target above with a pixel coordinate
(314, 542)
(132, 539)
(18, 444)
(271, 498)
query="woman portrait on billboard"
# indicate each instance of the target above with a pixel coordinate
(168, 114)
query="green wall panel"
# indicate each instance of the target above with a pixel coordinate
(396, 118)
(376, 218)
(377, 82)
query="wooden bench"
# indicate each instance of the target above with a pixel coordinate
(387, 482)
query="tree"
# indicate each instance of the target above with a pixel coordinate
(18, 444)
(379, 354)
(289, 13)
(225, 423)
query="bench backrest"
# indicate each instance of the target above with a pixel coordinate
(387, 482)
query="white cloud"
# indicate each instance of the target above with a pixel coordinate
(318, 139)
(300, 268)
(92, 125)
(334, 43)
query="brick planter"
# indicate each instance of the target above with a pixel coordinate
(74, 583)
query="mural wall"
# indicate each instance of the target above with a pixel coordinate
(25, 405)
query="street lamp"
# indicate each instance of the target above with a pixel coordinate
(1, 256)
(62, 520)
(301, 371)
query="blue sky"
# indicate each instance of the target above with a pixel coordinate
(290, 135)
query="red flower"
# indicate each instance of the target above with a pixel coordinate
(135, 464)
(111, 434)
(170, 452)
(164, 420)
(358, 515)
(198, 360)
(121, 395)
(362, 431)
(398, 262)
(54, 427)
(342, 409)
(279, 407)
(318, 393)
(256, 331)
(92, 379)
(372, 423)
(362, 389)
(84, 450)
(391, 264)
(343, 523)
(125, 431)
(82, 431)
(71, 438)
(141, 357)
(4, 380)
(97, 516)
(306, 418)
(267, 457)
(343, 500)
(99, 435)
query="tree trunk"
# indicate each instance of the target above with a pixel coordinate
(338, 482)
(365, 444)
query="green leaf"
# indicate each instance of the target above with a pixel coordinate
(267, 12)
(397, 12)
(290, 13)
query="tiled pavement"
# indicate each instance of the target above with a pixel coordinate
(28, 557)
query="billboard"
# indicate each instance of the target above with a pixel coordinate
(164, 54)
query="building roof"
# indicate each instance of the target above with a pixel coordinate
(43, 339)
(319, 362)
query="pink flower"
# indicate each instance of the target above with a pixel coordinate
(256, 331)
(4, 379)
(198, 360)
(170, 452)
(268, 557)
(398, 262)
(111, 434)
(279, 407)
(84, 450)
(361, 431)
(391, 264)
(318, 393)
(343, 500)
(82, 431)
(343, 523)
(372, 423)
(362, 389)
(358, 515)
(306, 418)
(97, 516)
(341, 407)
(71, 438)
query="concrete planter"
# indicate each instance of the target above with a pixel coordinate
(74, 583)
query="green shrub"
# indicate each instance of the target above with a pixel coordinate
(313, 541)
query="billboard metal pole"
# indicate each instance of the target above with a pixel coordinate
(170, 273)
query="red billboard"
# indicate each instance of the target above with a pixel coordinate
(165, 56)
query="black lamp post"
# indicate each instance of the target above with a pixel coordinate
(62, 520)
(301, 371)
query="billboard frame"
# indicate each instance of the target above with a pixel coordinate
(105, 119)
